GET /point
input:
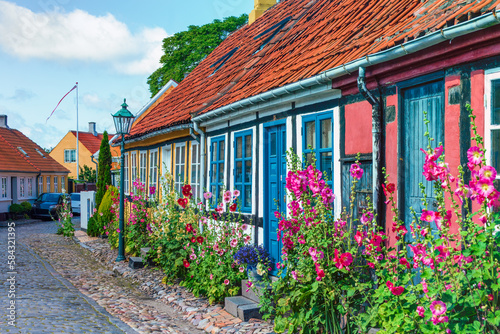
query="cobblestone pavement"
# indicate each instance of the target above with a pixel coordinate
(46, 302)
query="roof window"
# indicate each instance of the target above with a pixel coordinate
(219, 63)
(274, 30)
(22, 151)
(40, 153)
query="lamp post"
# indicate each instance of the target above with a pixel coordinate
(123, 119)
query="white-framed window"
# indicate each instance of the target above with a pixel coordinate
(48, 184)
(492, 119)
(30, 187)
(40, 185)
(133, 166)
(195, 169)
(4, 187)
(69, 155)
(126, 184)
(166, 157)
(153, 170)
(143, 165)
(21, 187)
(180, 166)
(56, 188)
(63, 184)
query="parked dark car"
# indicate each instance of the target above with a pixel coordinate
(48, 205)
(75, 203)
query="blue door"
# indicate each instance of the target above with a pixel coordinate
(416, 100)
(274, 187)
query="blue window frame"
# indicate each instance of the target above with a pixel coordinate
(217, 158)
(317, 139)
(243, 168)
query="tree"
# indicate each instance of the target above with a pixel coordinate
(104, 168)
(186, 49)
(87, 174)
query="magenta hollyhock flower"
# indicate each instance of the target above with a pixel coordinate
(439, 319)
(438, 308)
(234, 243)
(207, 195)
(236, 193)
(396, 290)
(152, 190)
(294, 275)
(404, 262)
(118, 230)
(475, 155)
(226, 281)
(436, 153)
(356, 171)
(366, 218)
(376, 240)
(359, 238)
(428, 216)
(320, 272)
(314, 254)
(327, 196)
(244, 227)
(247, 239)
(488, 172)
(346, 260)
(420, 311)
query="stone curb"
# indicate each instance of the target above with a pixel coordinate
(115, 321)
(211, 319)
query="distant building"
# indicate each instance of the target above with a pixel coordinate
(26, 170)
(90, 142)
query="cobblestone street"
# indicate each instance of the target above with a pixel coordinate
(48, 302)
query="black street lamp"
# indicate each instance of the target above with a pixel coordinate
(123, 122)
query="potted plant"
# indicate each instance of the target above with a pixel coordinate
(257, 261)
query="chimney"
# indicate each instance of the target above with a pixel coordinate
(92, 128)
(260, 6)
(3, 121)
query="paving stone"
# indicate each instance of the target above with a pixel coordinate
(232, 304)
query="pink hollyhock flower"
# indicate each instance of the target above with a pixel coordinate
(404, 262)
(294, 275)
(371, 265)
(118, 230)
(359, 238)
(439, 319)
(241, 269)
(234, 243)
(434, 155)
(152, 190)
(376, 240)
(247, 239)
(356, 171)
(192, 256)
(232, 207)
(428, 216)
(226, 281)
(327, 196)
(319, 272)
(490, 297)
(344, 261)
(244, 227)
(420, 311)
(236, 193)
(366, 218)
(314, 254)
(484, 187)
(396, 290)
(301, 239)
(488, 172)
(438, 308)
(207, 195)
(475, 155)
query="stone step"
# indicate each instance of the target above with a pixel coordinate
(255, 292)
(242, 307)
(144, 251)
(135, 262)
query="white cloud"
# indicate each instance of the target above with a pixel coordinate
(21, 95)
(78, 35)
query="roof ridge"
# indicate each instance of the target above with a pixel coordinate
(19, 153)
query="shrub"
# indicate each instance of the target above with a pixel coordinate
(104, 216)
(16, 209)
(92, 227)
(26, 207)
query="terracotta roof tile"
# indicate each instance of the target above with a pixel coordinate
(320, 35)
(91, 142)
(35, 160)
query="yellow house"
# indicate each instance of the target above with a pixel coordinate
(174, 149)
(89, 143)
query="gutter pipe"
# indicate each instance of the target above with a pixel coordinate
(377, 146)
(415, 45)
(202, 140)
(157, 133)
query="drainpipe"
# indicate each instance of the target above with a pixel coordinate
(202, 139)
(96, 166)
(377, 146)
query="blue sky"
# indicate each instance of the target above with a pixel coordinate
(110, 47)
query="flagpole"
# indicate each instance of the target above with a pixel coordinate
(77, 141)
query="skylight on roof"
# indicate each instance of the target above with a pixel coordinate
(40, 153)
(219, 63)
(22, 151)
(274, 30)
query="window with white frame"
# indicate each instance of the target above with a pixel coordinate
(180, 166)
(492, 120)
(217, 158)
(133, 166)
(63, 184)
(55, 184)
(126, 184)
(30, 187)
(40, 185)
(143, 163)
(153, 171)
(69, 155)
(21, 187)
(4, 187)
(195, 170)
(243, 168)
(48, 184)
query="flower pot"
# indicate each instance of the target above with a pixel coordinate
(252, 273)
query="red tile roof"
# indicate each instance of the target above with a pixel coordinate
(13, 159)
(320, 35)
(91, 142)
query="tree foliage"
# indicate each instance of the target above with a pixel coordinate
(104, 177)
(87, 174)
(186, 49)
